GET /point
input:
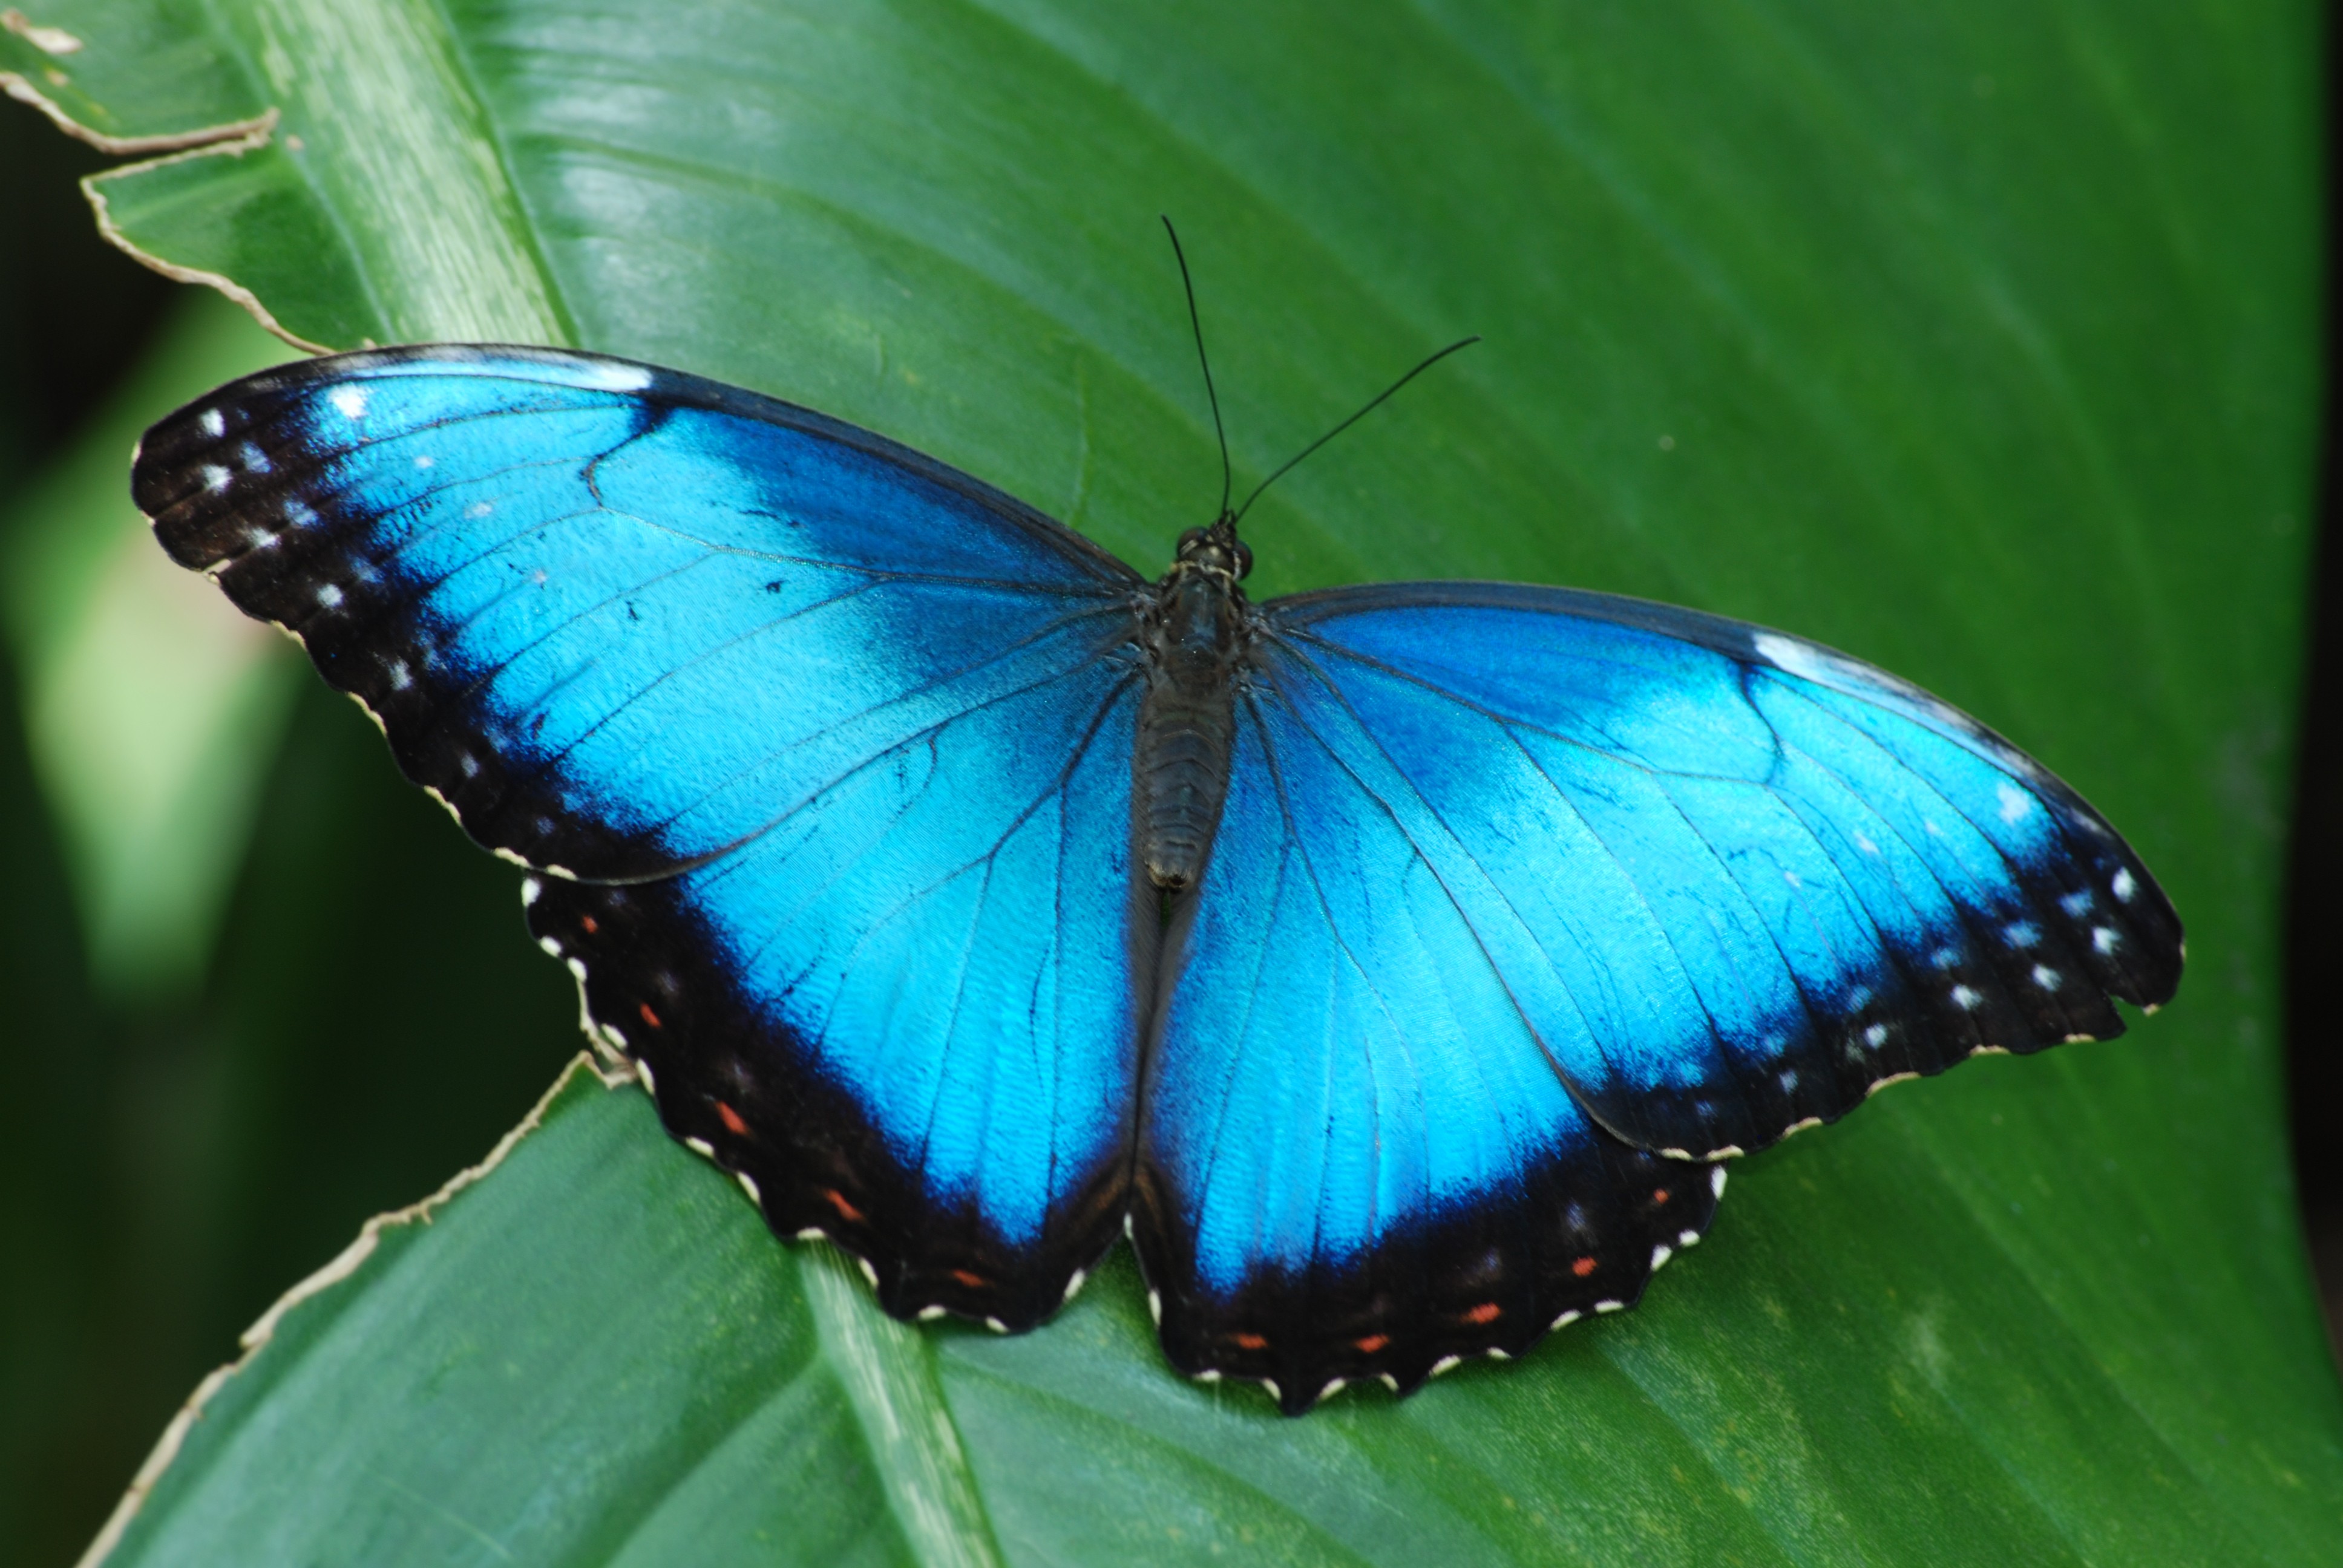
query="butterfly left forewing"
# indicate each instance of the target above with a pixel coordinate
(823, 749)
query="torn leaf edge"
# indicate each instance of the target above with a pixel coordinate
(252, 140)
(344, 1264)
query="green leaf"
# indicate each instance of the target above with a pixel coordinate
(1977, 340)
(129, 79)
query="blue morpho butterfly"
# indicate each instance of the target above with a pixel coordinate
(1377, 956)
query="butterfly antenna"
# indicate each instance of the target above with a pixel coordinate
(1372, 404)
(1197, 322)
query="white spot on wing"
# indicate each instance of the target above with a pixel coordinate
(350, 400)
(1875, 1036)
(749, 1185)
(328, 595)
(2105, 938)
(2045, 977)
(424, 462)
(1661, 1255)
(1610, 1306)
(1446, 1363)
(530, 888)
(479, 509)
(550, 945)
(606, 377)
(1716, 1181)
(215, 477)
(1964, 998)
(2123, 887)
(1567, 1319)
(702, 1147)
(2015, 803)
(930, 1314)
(1802, 659)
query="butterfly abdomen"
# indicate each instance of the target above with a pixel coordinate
(1187, 721)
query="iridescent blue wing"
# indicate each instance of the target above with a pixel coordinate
(1736, 878)
(1356, 1157)
(1515, 883)
(824, 746)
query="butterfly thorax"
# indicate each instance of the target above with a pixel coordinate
(1194, 631)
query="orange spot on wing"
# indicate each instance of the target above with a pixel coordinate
(731, 1119)
(838, 1201)
(650, 1018)
(1659, 1194)
(974, 1282)
(1248, 1342)
(587, 924)
(1371, 1343)
(1487, 1312)
(1584, 1267)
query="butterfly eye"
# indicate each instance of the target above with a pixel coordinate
(1244, 559)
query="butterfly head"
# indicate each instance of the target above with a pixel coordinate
(1215, 549)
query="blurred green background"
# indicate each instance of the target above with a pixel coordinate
(189, 1129)
(338, 1007)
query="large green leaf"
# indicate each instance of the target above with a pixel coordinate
(1979, 343)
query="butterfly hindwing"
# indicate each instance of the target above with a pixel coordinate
(904, 1013)
(1732, 880)
(1356, 1159)
(825, 746)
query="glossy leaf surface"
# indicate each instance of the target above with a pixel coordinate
(1976, 343)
